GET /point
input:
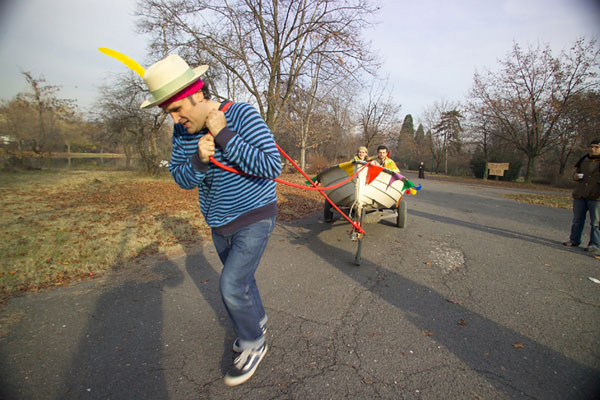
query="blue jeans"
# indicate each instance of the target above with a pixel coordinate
(580, 209)
(240, 254)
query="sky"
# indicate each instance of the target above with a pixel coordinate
(429, 49)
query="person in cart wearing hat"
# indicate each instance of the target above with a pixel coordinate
(240, 209)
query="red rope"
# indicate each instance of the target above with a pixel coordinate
(355, 225)
(238, 172)
(321, 190)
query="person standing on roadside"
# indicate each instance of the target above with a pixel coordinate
(240, 209)
(585, 198)
(422, 170)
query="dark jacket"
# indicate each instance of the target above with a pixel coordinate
(588, 187)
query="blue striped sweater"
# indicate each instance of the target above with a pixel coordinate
(227, 200)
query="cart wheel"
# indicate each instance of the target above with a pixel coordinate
(401, 217)
(358, 258)
(327, 213)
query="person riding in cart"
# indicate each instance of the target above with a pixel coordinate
(384, 160)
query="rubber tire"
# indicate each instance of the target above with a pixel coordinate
(401, 217)
(327, 213)
(357, 257)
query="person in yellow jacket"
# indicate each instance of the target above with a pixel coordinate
(362, 154)
(384, 160)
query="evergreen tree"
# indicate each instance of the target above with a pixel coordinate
(423, 153)
(408, 127)
(406, 148)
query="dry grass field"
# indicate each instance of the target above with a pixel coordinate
(62, 227)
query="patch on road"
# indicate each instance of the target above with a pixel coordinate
(448, 258)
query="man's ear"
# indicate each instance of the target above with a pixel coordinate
(198, 96)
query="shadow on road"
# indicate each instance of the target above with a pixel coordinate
(528, 370)
(488, 229)
(206, 280)
(120, 354)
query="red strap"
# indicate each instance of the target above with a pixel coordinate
(355, 225)
(226, 106)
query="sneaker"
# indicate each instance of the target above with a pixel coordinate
(245, 365)
(236, 345)
(592, 249)
(568, 243)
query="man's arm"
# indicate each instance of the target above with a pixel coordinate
(249, 143)
(186, 167)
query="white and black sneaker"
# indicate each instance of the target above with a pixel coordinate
(245, 365)
(236, 344)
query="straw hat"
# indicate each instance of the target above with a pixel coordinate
(168, 77)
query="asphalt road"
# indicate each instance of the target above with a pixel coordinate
(475, 299)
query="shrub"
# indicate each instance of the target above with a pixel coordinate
(317, 164)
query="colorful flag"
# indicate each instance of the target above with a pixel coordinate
(372, 172)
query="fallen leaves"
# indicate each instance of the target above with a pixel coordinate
(65, 227)
(556, 201)
(293, 203)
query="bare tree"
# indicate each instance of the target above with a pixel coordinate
(481, 131)
(128, 124)
(378, 116)
(49, 109)
(16, 123)
(437, 139)
(531, 93)
(577, 128)
(340, 125)
(261, 47)
(313, 125)
(448, 130)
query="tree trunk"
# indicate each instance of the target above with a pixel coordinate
(530, 164)
(446, 160)
(303, 152)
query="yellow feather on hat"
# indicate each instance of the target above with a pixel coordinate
(129, 62)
